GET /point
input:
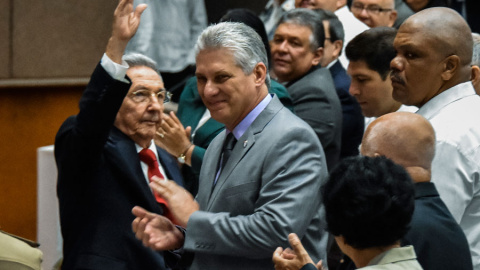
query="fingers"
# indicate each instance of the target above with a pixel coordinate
(319, 265)
(277, 254)
(175, 119)
(288, 254)
(139, 212)
(163, 187)
(139, 10)
(170, 122)
(296, 244)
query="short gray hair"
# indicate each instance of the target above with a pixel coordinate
(137, 60)
(245, 44)
(310, 19)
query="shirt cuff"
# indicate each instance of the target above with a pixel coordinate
(115, 70)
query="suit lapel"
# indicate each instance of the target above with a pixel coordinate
(243, 145)
(168, 164)
(241, 148)
(208, 170)
(124, 157)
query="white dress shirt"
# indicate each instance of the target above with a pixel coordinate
(455, 116)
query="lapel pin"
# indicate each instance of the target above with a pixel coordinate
(245, 143)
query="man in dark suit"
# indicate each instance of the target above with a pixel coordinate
(260, 179)
(353, 120)
(100, 175)
(409, 140)
(297, 49)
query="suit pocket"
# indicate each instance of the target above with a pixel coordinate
(240, 189)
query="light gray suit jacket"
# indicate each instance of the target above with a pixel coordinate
(269, 188)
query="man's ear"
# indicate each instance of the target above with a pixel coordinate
(338, 45)
(317, 56)
(450, 67)
(260, 72)
(393, 18)
(341, 3)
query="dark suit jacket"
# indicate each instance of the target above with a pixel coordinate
(438, 240)
(353, 123)
(191, 110)
(316, 102)
(269, 187)
(100, 180)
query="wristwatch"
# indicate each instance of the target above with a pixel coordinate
(181, 157)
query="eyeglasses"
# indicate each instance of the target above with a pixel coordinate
(374, 9)
(141, 96)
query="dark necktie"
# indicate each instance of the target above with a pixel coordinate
(147, 156)
(227, 148)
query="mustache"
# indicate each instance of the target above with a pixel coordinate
(395, 77)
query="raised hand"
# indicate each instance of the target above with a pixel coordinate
(292, 259)
(125, 25)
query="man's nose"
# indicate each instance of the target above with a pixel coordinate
(353, 90)
(396, 64)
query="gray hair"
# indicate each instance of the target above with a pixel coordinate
(137, 60)
(245, 44)
(476, 49)
(310, 19)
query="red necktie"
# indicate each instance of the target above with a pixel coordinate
(147, 156)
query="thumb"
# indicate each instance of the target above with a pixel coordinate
(140, 9)
(188, 131)
(296, 244)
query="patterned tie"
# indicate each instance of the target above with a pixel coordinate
(227, 148)
(147, 156)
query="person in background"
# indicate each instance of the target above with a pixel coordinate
(17, 253)
(352, 120)
(417, 5)
(375, 13)
(351, 25)
(369, 202)
(370, 54)
(408, 139)
(167, 34)
(274, 10)
(297, 50)
(432, 70)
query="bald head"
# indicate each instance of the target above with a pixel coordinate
(406, 138)
(434, 51)
(449, 31)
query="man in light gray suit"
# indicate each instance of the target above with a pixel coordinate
(270, 184)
